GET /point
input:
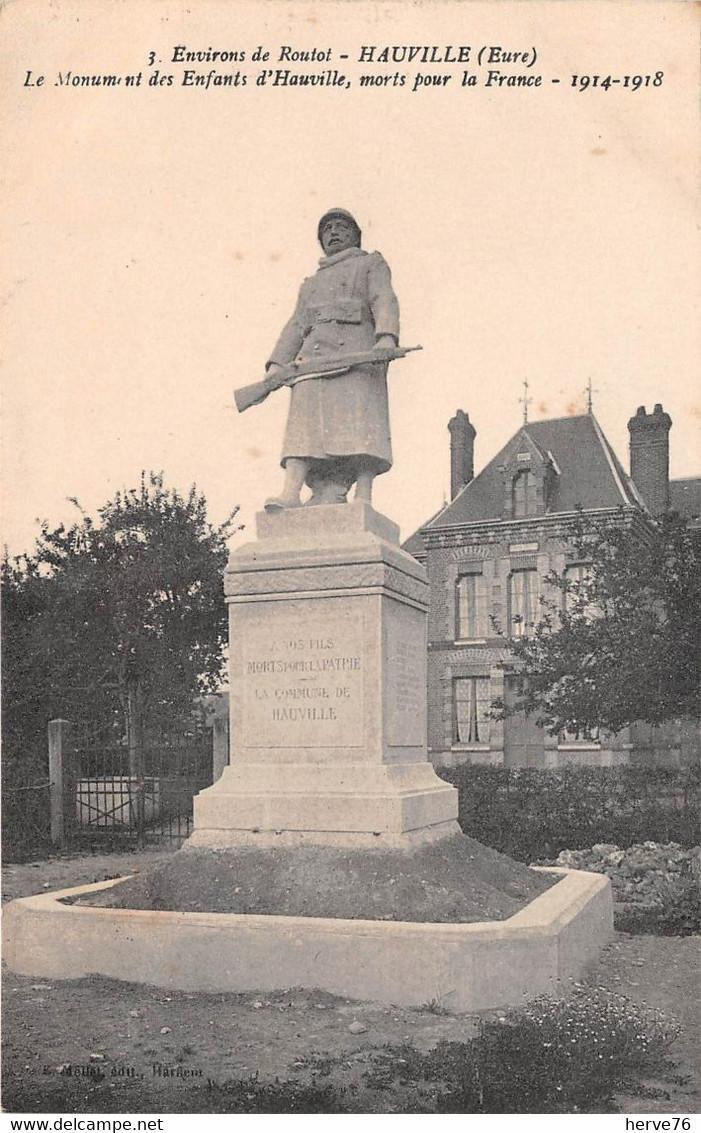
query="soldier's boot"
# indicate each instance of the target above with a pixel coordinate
(363, 487)
(295, 474)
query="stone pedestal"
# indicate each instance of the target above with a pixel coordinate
(327, 625)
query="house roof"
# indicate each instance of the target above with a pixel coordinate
(588, 475)
(685, 497)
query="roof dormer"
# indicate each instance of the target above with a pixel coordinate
(528, 475)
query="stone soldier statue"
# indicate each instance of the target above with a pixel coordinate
(338, 426)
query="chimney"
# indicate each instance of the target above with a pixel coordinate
(462, 452)
(649, 456)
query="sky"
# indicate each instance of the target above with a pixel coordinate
(156, 237)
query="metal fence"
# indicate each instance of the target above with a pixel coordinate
(137, 796)
(94, 793)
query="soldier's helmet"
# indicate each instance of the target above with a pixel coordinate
(342, 213)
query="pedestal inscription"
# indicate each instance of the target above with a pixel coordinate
(405, 703)
(303, 685)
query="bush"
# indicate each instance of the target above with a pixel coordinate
(678, 913)
(655, 887)
(549, 1057)
(532, 814)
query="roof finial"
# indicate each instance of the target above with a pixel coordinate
(526, 401)
(590, 391)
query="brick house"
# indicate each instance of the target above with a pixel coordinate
(488, 551)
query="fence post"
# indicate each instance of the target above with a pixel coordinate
(62, 773)
(136, 760)
(220, 746)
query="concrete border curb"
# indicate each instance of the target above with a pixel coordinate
(463, 967)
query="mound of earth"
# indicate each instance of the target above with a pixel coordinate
(454, 881)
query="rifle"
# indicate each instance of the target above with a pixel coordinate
(323, 367)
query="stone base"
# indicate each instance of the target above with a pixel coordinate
(327, 625)
(231, 839)
(465, 967)
(352, 806)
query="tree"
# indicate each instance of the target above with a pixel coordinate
(618, 638)
(118, 619)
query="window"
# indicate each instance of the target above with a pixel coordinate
(575, 575)
(471, 706)
(522, 600)
(523, 495)
(586, 736)
(471, 619)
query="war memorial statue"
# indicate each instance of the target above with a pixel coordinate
(329, 797)
(334, 354)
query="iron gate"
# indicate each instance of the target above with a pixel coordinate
(143, 796)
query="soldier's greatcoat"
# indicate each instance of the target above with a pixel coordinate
(341, 309)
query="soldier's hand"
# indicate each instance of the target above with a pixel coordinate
(385, 342)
